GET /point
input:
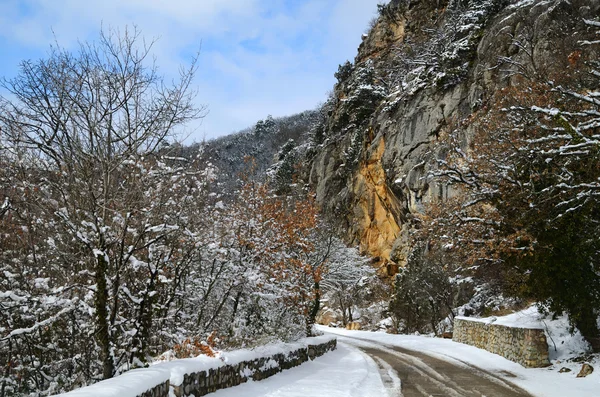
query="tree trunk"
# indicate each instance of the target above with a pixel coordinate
(7, 368)
(236, 303)
(101, 304)
(314, 310)
(344, 314)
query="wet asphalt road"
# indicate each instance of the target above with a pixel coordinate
(422, 375)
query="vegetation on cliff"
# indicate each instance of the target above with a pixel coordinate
(527, 208)
(487, 115)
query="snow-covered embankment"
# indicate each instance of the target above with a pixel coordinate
(204, 374)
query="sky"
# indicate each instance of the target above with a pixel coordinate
(257, 57)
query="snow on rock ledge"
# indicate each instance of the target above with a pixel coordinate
(202, 375)
(526, 346)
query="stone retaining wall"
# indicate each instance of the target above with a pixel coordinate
(526, 346)
(205, 382)
(161, 390)
(202, 375)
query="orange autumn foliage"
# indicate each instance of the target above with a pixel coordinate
(278, 233)
(194, 347)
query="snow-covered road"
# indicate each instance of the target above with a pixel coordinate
(422, 375)
(345, 372)
(425, 352)
(369, 364)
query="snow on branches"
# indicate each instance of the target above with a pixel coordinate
(526, 211)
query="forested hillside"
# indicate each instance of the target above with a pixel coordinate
(252, 152)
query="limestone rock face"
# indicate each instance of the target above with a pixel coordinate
(425, 68)
(328, 316)
(353, 326)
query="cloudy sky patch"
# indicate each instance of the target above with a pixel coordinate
(257, 57)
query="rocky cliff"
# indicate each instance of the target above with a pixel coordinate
(425, 67)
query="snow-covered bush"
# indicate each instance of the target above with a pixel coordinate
(426, 292)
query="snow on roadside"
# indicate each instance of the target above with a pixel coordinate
(541, 382)
(135, 382)
(562, 345)
(345, 372)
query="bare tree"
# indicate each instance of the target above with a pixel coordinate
(91, 123)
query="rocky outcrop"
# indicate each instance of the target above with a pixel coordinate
(586, 369)
(425, 69)
(328, 316)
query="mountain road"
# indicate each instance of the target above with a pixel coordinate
(411, 373)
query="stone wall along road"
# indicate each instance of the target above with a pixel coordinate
(526, 346)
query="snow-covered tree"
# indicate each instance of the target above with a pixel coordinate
(98, 208)
(528, 213)
(347, 277)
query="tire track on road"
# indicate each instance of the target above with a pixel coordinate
(423, 375)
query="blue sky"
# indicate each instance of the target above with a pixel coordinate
(258, 57)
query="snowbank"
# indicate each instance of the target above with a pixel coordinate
(138, 381)
(342, 373)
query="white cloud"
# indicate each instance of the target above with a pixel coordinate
(258, 57)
